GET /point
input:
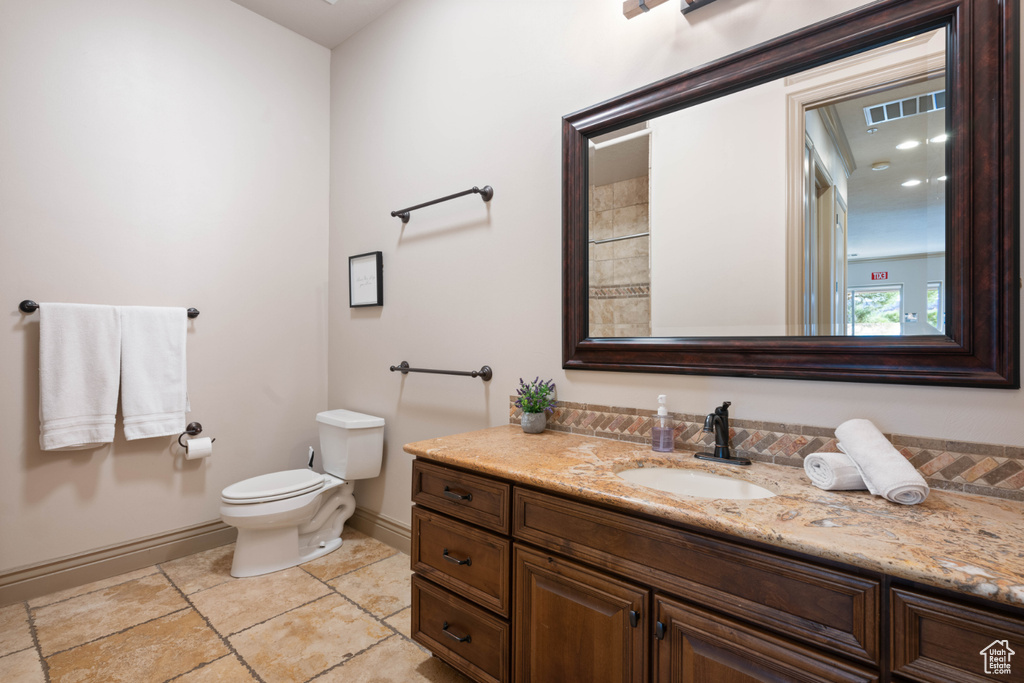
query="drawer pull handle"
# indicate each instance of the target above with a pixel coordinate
(468, 561)
(457, 496)
(634, 618)
(464, 639)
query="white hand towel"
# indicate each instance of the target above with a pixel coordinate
(153, 382)
(79, 362)
(886, 472)
(833, 472)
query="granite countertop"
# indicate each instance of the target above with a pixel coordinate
(967, 543)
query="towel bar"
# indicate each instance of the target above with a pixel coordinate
(29, 306)
(483, 373)
(486, 193)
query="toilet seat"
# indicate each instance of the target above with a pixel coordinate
(274, 486)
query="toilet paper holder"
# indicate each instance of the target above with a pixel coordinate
(192, 429)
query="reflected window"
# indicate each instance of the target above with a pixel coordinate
(874, 310)
(936, 311)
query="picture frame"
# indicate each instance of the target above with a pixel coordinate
(366, 280)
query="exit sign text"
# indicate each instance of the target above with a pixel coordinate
(883, 275)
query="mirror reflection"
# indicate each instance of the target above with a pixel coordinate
(813, 205)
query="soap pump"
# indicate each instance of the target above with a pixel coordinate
(663, 432)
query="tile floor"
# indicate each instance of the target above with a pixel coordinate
(342, 618)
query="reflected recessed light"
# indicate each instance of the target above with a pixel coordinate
(942, 177)
(879, 165)
(939, 138)
(909, 144)
(911, 183)
(872, 131)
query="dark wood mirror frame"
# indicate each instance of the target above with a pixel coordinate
(981, 346)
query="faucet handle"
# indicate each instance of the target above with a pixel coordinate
(709, 422)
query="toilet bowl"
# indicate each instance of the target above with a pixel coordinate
(294, 516)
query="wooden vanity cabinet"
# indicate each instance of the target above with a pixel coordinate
(563, 591)
(693, 645)
(461, 556)
(574, 624)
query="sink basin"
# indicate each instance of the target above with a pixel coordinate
(694, 483)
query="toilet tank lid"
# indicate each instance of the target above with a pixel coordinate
(349, 419)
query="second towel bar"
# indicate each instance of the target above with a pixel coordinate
(483, 373)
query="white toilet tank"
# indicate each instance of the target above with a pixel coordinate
(351, 444)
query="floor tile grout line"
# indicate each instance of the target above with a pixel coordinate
(115, 633)
(281, 614)
(97, 590)
(352, 657)
(236, 656)
(35, 640)
(223, 639)
(17, 652)
(394, 631)
(358, 606)
(369, 564)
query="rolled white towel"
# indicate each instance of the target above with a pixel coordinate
(833, 472)
(884, 469)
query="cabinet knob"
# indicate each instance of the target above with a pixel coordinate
(634, 618)
(659, 630)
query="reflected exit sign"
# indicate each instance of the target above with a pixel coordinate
(884, 275)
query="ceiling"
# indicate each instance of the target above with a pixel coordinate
(886, 218)
(319, 20)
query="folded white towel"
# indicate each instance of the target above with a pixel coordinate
(79, 362)
(153, 381)
(833, 472)
(884, 469)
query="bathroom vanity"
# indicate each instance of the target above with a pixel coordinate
(534, 561)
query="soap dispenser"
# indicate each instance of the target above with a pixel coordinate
(663, 433)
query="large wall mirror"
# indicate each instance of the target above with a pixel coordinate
(840, 203)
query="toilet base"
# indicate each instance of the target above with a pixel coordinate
(261, 550)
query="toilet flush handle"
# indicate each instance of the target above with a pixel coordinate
(311, 454)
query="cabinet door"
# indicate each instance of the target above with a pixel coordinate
(573, 624)
(696, 646)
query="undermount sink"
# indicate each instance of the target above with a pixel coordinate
(694, 483)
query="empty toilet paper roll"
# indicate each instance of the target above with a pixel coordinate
(198, 448)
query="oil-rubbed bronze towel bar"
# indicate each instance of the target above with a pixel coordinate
(29, 306)
(486, 193)
(483, 373)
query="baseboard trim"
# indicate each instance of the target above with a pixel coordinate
(384, 529)
(31, 581)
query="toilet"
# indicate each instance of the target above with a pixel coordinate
(290, 517)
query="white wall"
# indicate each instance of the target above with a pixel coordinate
(440, 95)
(161, 153)
(718, 217)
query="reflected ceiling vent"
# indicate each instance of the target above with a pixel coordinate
(901, 109)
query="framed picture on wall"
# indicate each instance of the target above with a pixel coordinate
(366, 280)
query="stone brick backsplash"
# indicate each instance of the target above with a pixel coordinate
(985, 469)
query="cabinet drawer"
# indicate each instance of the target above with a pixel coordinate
(938, 640)
(694, 645)
(830, 609)
(475, 499)
(467, 637)
(467, 561)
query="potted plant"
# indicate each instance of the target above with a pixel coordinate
(536, 398)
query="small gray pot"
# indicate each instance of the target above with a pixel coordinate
(534, 423)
